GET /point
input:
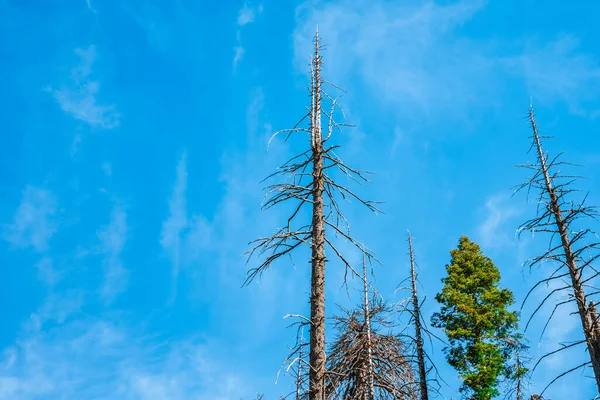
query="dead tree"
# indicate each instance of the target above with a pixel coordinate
(297, 366)
(517, 374)
(416, 313)
(365, 363)
(570, 248)
(367, 318)
(311, 183)
(415, 338)
(519, 379)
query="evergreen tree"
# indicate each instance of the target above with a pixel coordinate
(475, 318)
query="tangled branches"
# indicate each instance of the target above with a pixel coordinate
(350, 355)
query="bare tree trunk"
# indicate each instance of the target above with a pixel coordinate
(519, 389)
(595, 323)
(317, 288)
(424, 395)
(371, 379)
(570, 259)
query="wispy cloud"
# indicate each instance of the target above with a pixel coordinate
(246, 15)
(79, 97)
(177, 222)
(238, 55)
(112, 241)
(47, 273)
(559, 72)
(413, 56)
(408, 53)
(57, 308)
(494, 230)
(33, 224)
(88, 3)
(92, 358)
(198, 238)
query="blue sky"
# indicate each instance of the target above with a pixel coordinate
(134, 142)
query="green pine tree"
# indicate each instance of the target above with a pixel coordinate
(475, 317)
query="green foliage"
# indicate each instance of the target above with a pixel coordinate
(474, 314)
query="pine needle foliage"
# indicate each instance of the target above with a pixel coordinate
(475, 317)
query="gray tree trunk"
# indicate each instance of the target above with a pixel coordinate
(317, 293)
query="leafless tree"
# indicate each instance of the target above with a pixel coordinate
(416, 314)
(296, 365)
(415, 332)
(572, 250)
(519, 379)
(310, 183)
(517, 375)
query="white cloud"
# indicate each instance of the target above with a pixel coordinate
(238, 55)
(93, 358)
(198, 238)
(411, 56)
(407, 53)
(494, 230)
(248, 13)
(557, 71)
(33, 224)
(176, 224)
(88, 3)
(58, 307)
(184, 238)
(47, 273)
(245, 16)
(112, 241)
(79, 97)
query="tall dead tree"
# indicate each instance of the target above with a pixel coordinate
(570, 248)
(414, 333)
(416, 314)
(311, 183)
